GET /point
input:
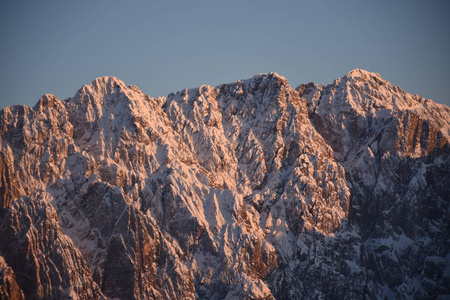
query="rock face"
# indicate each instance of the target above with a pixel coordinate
(249, 190)
(9, 287)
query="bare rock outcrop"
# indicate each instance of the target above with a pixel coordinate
(249, 190)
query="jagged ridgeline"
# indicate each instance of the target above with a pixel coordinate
(249, 190)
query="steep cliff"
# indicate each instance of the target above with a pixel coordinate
(249, 190)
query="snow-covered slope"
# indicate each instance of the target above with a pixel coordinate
(249, 190)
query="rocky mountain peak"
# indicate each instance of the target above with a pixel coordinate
(106, 84)
(278, 77)
(248, 190)
(276, 80)
(48, 100)
(362, 75)
(104, 92)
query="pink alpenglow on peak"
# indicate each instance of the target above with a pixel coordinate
(247, 190)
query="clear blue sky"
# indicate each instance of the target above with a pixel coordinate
(164, 46)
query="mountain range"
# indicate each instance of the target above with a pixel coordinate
(248, 190)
